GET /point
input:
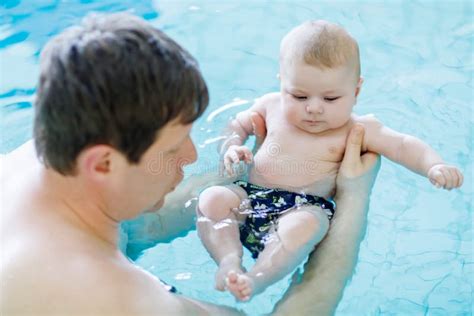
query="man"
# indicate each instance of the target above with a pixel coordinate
(115, 104)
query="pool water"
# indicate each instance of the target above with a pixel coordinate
(417, 61)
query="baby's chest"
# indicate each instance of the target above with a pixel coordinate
(326, 148)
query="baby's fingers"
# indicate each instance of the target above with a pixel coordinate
(456, 178)
(231, 158)
(228, 166)
(460, 178)
(449, 177)
(437, 179)
(247, 155)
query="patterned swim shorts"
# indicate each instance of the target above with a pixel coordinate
(268, 205)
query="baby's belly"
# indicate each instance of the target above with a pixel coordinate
(311, 177)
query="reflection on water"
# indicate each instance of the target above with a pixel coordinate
(417, 65)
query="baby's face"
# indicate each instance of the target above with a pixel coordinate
(317, 100)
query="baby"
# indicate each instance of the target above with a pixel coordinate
(285, 208)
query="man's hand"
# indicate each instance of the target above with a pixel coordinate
(333, 262)
(355, 165)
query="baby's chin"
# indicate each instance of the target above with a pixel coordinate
(314, 127)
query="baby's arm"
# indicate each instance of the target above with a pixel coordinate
(410, 152)
(237, 133)
(240, 128)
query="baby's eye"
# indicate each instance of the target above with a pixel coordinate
(330, 99)
(300, 97)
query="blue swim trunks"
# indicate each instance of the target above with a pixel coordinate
(169, 288)
(268, 205)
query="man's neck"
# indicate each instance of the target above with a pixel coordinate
(82, 206)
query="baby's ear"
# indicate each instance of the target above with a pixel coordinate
(359, 86)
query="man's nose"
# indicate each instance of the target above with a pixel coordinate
(190, 153)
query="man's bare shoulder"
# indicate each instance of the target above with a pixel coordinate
(86, 285)
(145, 295)
(134, 291)
(17, 160)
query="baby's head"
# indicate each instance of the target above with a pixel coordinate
(321, 44)
(320, 75)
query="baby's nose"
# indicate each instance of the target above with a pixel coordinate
(315, 106)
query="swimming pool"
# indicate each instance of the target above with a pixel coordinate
(416, 258)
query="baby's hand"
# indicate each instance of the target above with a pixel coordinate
(234, 155)
(445, 176)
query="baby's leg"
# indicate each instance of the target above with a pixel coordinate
(218, 228)
(297, 233)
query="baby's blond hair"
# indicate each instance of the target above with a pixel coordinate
(321, 44)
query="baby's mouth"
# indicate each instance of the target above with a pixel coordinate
(312, 121)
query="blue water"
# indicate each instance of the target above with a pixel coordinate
(417, 61)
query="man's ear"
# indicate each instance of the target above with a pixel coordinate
(359, 86)
(97, 161)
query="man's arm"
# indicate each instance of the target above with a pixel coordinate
(331, 265)
(177, 216)
(129, 290)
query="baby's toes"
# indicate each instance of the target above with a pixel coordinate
(246, 291)
(219, 284)
(245, 298)
(245, 286)
(232, 277)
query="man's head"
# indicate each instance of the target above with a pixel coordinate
(320, 75)
(117, 81)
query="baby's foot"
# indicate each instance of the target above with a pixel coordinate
(240, 285)
(229, 263)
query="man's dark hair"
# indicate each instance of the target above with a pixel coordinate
(113, 80)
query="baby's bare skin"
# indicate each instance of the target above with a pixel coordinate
(308, 122)
(299, 161)
(295, 160)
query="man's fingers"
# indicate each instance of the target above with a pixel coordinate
(354, 146)
(369, 159)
